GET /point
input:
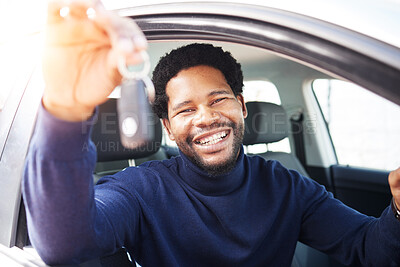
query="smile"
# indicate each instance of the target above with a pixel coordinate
(213, 139)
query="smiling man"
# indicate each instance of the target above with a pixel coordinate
(210, 206)
(202, 111)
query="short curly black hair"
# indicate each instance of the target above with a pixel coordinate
(190, 56)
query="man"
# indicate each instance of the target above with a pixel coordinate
(212, 205)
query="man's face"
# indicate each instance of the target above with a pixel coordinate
(205, 118)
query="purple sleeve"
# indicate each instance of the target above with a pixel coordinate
(65, 222)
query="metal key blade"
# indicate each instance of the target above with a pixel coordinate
(134, 115)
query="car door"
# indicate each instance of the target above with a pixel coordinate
(364, 130)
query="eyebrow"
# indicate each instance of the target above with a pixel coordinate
(184, 103)
(178, 106)
(219, 92)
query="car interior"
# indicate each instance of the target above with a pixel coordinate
(267, 124)
(283, 55)
(284, 123)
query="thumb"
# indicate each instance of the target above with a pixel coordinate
(394, 182)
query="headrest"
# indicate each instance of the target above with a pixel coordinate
(265, 123)
(105, 136)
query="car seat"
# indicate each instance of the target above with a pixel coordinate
(267, 123)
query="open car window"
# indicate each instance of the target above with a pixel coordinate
(364, 127)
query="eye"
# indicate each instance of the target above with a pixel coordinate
(219, 100)
(185, 111)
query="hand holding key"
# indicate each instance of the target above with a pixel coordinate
(84, 43)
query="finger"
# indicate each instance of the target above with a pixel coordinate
(120, 30)
(394, 182)
(71, 23)
(113, 58)
(126, 37)
(53, 11)
(59, 10)
(394, 178)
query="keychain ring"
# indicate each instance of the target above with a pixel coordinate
(150, 90)
(127, 74)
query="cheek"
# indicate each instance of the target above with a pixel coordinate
(234, 112)
(180, 127)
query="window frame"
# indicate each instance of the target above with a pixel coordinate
(296, 39)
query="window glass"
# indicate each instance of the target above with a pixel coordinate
(18, 21)
(365, 128)
(262, 91)
(9, 71)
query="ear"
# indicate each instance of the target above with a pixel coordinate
(240, 98)
(167, 127)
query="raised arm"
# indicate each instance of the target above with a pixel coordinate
(83, 42)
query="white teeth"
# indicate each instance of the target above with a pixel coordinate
(213, 139)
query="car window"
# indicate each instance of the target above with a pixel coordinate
(8, 65)
(16, 40)
(259, 90)
(364, 127)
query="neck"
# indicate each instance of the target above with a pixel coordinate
(210, 184)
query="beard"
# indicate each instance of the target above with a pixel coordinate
(224, 166)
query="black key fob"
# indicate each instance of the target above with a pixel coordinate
(134, 114)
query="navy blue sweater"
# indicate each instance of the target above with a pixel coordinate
(171, 213)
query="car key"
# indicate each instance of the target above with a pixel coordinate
(134, 112)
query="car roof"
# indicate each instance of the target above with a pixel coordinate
(377, 19)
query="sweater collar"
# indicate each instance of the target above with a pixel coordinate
(201, 181)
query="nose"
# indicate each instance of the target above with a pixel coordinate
(205, 116)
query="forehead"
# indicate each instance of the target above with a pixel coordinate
(196, 82)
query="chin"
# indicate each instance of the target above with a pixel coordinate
(219, 169)
(220, 162)
(218, 165)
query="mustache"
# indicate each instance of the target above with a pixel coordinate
(213, 126)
